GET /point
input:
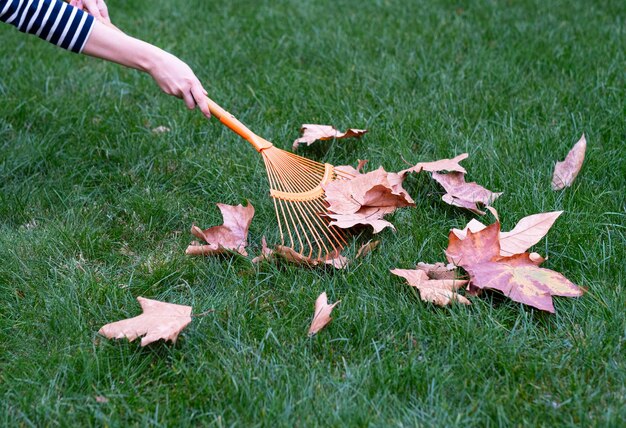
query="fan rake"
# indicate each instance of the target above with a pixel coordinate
(296, 187)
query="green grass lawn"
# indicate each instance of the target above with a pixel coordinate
(95, 210)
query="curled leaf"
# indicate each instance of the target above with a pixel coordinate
(230, 236)
(565, 172)
(463, 194)
(367, 248)
(321, 317)
(334, 259)
(375, 189)
(312, 133)
(369, 216)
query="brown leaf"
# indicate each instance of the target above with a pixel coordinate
(373, 189)
(520, 279)
(565, 172)
(312, 133)
(473, 225)
(367, 248)
(476, 248)
(451, 165)
(438, 270)
(527, 232)
(463, 194)
(536, 258)
(266, 252)
(322, 313)
(230, 236)
(335, 259)
(438, 291)
(159, 320)
(368, 216)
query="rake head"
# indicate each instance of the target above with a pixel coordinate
(296, 187)
(299, 201)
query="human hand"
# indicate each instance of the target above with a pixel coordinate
(97, 8)
(176, 78)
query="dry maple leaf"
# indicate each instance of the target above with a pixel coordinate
(438, 270)
(266, 252)
(369, 216)
(451, 165)
(367, 248)
(334, 259)
(373, 189)
(230, 236)
(438, 291)
(526, 233)
(565, 172)
(312, 133)
(322, 313)
(159, 320)
(463, 194)
(520, 279)
(478, 247)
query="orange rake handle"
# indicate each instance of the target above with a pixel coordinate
(242, 130)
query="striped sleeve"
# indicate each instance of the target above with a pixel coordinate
(52, 20)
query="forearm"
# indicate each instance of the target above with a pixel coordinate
(52, 20)
(113, 45)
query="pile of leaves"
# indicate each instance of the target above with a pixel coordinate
(479, 257)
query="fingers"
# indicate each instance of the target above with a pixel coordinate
(104, 10)
(189, 101)
(92, 8)
(200, 97)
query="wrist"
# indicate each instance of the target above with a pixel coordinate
(148, 58)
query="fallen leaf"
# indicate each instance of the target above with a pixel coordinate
(438, 291)
(373, 189)
(478, 247)
(369, 216)
(230, 236)
(473, 225)
(159, 320)
(463, 194)
(101, 399)
(438, 270)
(367, 248)
(536, 258)
(322, 313)
(520, 279)
(566, 171)
(312, 133)
(527, 232)
(335, 259)
(451, 165)
(266, 252)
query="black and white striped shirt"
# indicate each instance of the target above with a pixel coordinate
(52, 20)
